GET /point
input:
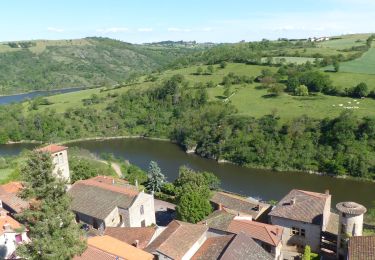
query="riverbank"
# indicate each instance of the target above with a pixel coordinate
(191, 151)
(42, 90)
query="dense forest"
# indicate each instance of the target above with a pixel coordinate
(41, 65)
(341, 146)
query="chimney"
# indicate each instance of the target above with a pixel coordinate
(326, 192)
(293, 201)
(113, 181)
(136, 183)
(220, 206)
(3, 213)
(136, 243)
(7, 227)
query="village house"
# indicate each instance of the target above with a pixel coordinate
(179, 240)
(10, 200)
(231, 246)
(60, 161)
(139, 237)
(269, 237)
(12, 233)
(108, 248)
(240, 206)
(303, 215)
(361, 248)
(104, 202)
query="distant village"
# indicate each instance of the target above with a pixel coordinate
(123, 222)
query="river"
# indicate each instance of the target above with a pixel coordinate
(264, 184)
(30, 95)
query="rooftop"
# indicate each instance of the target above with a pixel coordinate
(302, 206)
(176, 240)
(52, 148)
(98, 199)
(219, 219)
(243, 247)
(350, 207)
(266, 233)
(213, 248)
(7, 223)
(130, 235)
(9, 196)
(240, 204)
(94, 253)
(361, 248)
(118, 248)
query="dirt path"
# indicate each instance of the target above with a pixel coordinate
(115, 166)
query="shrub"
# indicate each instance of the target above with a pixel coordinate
(301, 90)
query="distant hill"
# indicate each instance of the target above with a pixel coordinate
(42, 64)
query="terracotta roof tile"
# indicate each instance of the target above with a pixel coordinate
(243, 247)
(7, 220)
(52, 148)
(213, 248)
(118, 248)
(219, 219)
(269, 234)
(11, 187)
(9, 197)
(92, 253)
(130, 235)
(126, 189)
(302, 205)
(177, 239)
(361, 248)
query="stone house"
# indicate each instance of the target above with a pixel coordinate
(12, 233)
(179, 240)
(108, 202)
(303, 215)
(240, 206)
(60, 161)
(269, 237)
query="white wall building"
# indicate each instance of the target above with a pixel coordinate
(60, 160)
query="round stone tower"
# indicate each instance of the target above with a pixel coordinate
(350, 224)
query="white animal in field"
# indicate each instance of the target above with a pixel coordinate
(340, 105)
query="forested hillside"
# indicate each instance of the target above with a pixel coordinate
(41, 65)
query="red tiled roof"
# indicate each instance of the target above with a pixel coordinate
(52, 148)
(109, 180)
(11, 187)
(131, 234)
(7, 220)
(361, 248)
(123, 189)
(269, 234)
(116, 247)
(302, 205)
(93, 253)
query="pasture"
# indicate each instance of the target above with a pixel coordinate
(364, 64)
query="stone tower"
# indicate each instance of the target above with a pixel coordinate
(60, 160)
(350, 224)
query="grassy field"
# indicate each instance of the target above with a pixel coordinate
(345, 42)
(365, 64)
(256, 102)
(249, 98)
(344, 80)
(4, 175)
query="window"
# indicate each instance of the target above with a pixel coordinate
(142, 210)
(18, 238)
(295, 231)
(298, 232)
(61, 158)
(56, 159)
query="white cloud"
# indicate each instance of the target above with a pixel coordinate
(145, 29)
(54, 29)
(113, 30)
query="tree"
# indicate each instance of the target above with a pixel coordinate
(81, 169)
(210, 69)
(227, 90)
(307, 253)
(155, 177)
(199, 71)
(52, 228)
(192, 207)
(223, 64)
(276, 89)
(336, 66)
(292, 83)
(301, 90)
(361, 90)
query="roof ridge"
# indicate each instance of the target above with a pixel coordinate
(314, 194)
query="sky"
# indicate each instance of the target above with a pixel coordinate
(140, 21)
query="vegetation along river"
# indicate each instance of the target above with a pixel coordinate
(264, 184)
